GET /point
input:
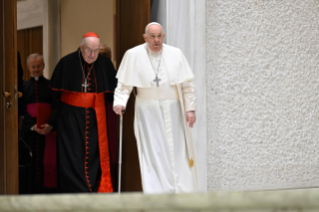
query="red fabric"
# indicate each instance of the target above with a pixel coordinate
(49, 158)
(44, 114)
(90, 34)
(97, 102)
(32, 108)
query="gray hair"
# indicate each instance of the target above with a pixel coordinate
(152, 23)
(33, 56)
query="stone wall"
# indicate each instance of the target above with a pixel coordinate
(261, 201)
(262, 66)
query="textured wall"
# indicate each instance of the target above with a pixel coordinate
(262, 94)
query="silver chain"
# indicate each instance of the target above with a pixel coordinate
(159, 63)
(85, 77)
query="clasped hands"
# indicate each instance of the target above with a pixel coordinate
(44, 130)
(190, 115)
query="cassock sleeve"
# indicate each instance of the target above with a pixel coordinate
(188, 91)
(52, 120)
(56, 79)
(55, 85)
(28, 122)
(111, 80)
(121, 95)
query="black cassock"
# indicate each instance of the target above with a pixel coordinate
(36, 92)
(78, 157)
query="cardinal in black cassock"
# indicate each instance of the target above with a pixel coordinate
(37, 92)
(84, 84)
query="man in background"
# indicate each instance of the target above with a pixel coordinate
(106, 51)
(37, 93)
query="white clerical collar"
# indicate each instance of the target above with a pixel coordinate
(154, 54)
(35, 78)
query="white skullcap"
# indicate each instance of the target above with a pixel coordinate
(152, 23)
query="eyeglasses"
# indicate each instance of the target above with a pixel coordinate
(90, 51)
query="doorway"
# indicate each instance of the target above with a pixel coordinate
(131, 17)
(29, 41)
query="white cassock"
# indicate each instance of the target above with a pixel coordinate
(165, 147)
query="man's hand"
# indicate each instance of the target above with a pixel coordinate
(191, 118)
(119, 109)
(45, 129)
(36, 129)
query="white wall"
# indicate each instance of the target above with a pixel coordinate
(184, 26)
(262, 94)
(29, 14)
(45, 13)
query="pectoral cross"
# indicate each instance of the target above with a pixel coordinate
(85, 85)
(157, 80)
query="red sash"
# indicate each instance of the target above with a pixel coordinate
(97, 102)
(49, 158)
(32, 108)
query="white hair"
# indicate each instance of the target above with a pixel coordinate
(33, 56)
(153, 23)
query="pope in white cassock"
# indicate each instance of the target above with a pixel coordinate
(165, 102)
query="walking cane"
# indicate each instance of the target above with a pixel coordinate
(120, 154)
